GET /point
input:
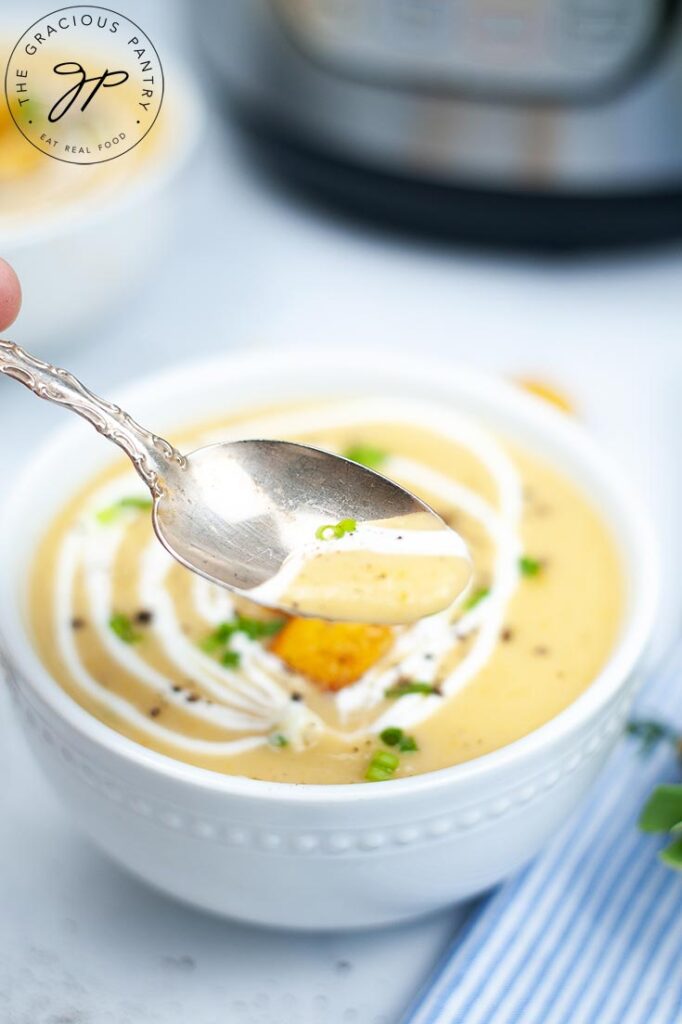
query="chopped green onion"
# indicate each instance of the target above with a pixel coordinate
(231, 659)
(408, 745)
(134, 502)
(366, 455)
(256, 629)
(407, 687)
(111, 513)
(391, 736)
(326, 532)
(218, 642)
(476, 598)
(277, 739)
(123, 628)
(386, 759)
(529, 566)
(395, 737)
(333, 531)
(382, 766)
(210, 644)
(224, 632)
(107, 516)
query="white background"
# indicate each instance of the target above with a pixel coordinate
(81, 943)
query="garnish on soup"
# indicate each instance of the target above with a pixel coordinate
(112, 512)
(331, 654)
(529, 566)
(122, 626)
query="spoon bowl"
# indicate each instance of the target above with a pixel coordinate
(237, 510)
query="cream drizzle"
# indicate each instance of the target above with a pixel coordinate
(255, 698)
(69, 558)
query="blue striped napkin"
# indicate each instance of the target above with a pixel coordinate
(591, 932)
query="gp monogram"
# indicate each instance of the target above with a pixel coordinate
(84, 84)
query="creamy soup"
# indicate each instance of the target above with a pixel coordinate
(185, 668)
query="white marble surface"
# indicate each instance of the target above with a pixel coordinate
(80, 943)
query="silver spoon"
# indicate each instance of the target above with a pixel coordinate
(235, 511)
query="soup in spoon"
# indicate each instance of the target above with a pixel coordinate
(392, 572)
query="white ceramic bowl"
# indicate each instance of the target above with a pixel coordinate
(321, 856)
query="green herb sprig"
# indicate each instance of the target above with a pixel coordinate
(663, 811)
(650, 733)
(663, 814)
(529, 566)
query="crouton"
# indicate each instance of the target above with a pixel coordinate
(331, 654)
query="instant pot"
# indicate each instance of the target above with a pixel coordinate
(541, 122)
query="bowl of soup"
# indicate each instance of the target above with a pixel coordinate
(295, 772)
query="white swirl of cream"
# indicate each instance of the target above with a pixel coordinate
(69, 560)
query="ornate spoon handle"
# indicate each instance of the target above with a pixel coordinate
(151, 455)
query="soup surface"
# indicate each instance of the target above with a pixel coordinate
(185, 668)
